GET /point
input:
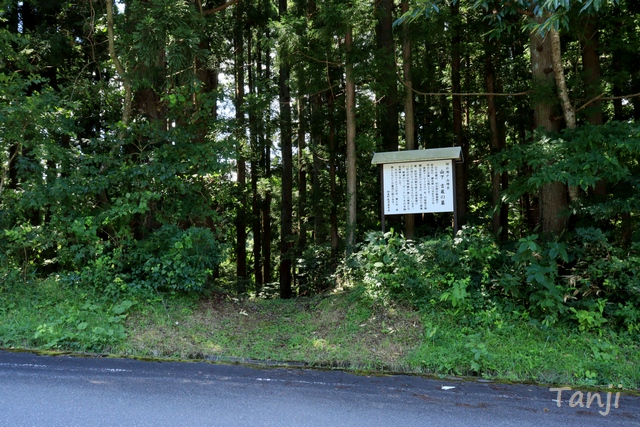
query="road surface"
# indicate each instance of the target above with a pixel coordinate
(75, 391)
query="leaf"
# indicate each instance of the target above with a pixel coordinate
(82, 326)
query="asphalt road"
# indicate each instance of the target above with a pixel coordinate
(74, 391)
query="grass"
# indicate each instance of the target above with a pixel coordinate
(336, 330)
(319, 331)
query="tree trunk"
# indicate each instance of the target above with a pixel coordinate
(350, 106)
(317, 196)
(462, 193)
(568, 110)
(241, 226)
(302, 175)
(498, 143)
(388, 113)
(287, 171)
(409, 126)
(553, 197)
(255, 176)
(333, 185)
(591, 69)
(265, 144)
(591, 75)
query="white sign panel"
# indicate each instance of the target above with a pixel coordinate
(417, 187)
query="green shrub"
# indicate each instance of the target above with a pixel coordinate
(316, 269)
(177, 259)
(584, 280)
(452, 270)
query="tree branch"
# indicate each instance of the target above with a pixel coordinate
(219, 8)
(4, 172)
(470, 93)
(568, 109)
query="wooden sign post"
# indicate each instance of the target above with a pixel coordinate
(418, 181)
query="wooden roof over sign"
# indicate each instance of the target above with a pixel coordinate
(447, 153)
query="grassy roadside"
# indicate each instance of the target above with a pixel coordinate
(338, 330)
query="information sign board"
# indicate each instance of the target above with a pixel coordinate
(418, 187)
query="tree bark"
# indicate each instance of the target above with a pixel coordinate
(498, 181)
(568, 110)
(388, 113)
(316, 142)
(350, 105)
(287, 171)
(591, 68)
(617, 65)
(265, 144)
(241, 226)
(255, 175)
(302, 174)
(592, 76)
(462, 192)
(409, 125)
(333, 185)
(553, 197)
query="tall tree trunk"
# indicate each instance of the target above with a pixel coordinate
(617, 65)
(409, 126)
(388, 113)
(255, 174)
(553, 197)
(241, 221)
(316, 141)
(592, 75)
(591, 68)
(498, 143)
(302, 175)
(635, 87)
(462, 193)
(265, 144)
(333, 184)
(350, 105)
(287, 171)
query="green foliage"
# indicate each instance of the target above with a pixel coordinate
(176, 259)
(590, 319)
(583, 280)
(581, 158)
(53, 315)
(316, 270)
(456, 271)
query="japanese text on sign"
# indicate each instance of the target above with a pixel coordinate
(417, 187)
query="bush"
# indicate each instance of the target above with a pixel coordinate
(456, 270)
(177, 259)
(583, 280)
(316, 270)
(169, 259)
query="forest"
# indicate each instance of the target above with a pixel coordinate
(179, 145)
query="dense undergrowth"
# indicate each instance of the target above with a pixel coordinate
(583, 281)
